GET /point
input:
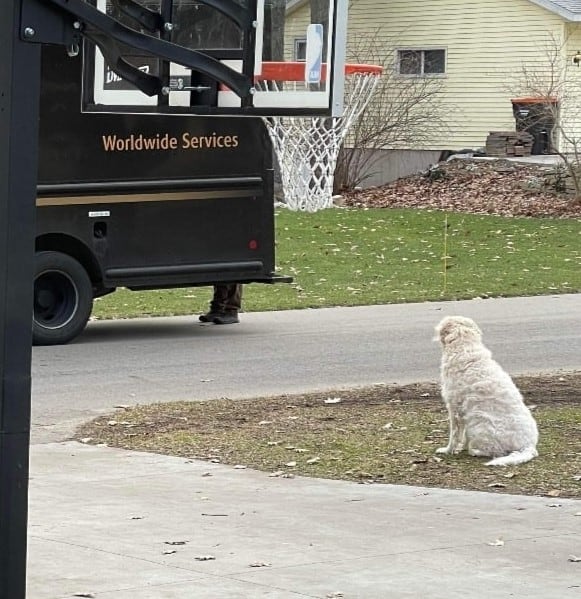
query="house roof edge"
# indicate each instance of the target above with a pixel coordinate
(558, 9)
(293, 5)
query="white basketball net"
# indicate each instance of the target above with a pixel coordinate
(307, 148)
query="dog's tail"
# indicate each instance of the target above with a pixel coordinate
(516, 457)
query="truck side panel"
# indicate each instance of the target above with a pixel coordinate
(158, 201)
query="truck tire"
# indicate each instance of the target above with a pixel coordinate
(63, 299)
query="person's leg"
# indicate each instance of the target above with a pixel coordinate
(220, 299)
(218, 303)
(233, 300)
(232, 304)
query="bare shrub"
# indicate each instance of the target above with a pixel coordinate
(405, 112)
(550, 84)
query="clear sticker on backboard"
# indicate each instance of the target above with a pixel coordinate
(289, 53)
(314, 53)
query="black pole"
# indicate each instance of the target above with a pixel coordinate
(19, 92)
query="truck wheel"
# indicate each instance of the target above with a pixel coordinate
(63, 299)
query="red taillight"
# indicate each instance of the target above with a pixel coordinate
(253, 244)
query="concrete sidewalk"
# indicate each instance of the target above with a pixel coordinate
(112, 524)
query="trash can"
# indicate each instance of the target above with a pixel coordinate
(537, 117)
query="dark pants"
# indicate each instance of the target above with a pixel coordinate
(227, 298)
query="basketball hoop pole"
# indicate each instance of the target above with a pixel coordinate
(24, 26)
(19, 97)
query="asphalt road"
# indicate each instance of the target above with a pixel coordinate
(165, 359)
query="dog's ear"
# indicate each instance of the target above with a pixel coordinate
(447, 331)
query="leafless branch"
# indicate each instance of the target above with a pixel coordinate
(405, 112)
(549, 81)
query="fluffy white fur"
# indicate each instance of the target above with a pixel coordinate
(487, 414)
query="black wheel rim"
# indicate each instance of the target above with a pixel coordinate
(55, 299)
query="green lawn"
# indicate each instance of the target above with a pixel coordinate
(347, 257)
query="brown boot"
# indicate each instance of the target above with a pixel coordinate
(228, 317)
(210, 316)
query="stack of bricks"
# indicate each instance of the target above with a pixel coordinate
(509, 143)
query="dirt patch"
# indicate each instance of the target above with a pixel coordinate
(479, 187)
(379, 434)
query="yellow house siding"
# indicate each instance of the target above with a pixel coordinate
(487, 42)
(296, 28)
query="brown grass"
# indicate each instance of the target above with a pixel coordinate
(381, 434)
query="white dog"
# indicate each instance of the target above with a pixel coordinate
(487, 414)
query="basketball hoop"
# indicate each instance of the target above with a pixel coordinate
(307, 148)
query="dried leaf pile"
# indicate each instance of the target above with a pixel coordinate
(479, 187)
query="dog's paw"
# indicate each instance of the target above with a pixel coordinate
(443, 450)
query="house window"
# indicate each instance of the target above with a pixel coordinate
(421, 62)
(300, 52)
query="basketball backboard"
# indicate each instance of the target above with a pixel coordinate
(246, 36)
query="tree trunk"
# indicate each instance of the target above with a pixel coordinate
(274, 22)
